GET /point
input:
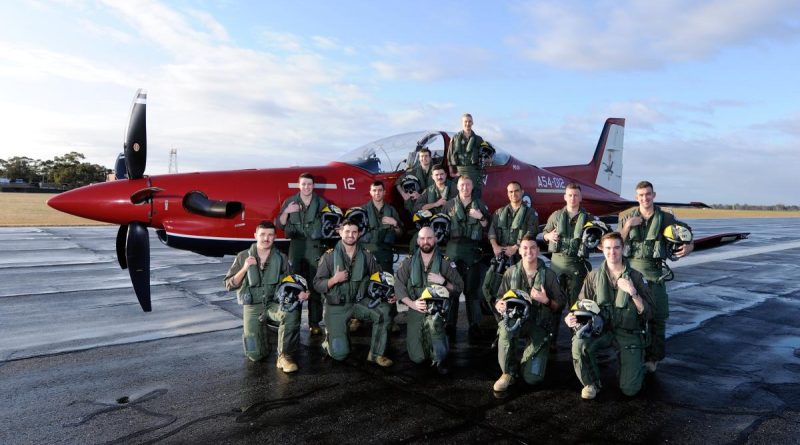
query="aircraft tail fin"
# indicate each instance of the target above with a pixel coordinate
(605, 168)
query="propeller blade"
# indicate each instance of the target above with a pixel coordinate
(137, 252)
(122, 238)
(136, 137)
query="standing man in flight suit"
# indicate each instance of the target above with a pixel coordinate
(564, 234)
(300, 218)
(464, 154)
(625, 305)
(383, 227)
(642, 228)
(255, 274)
(425, 337)
(342, 276)
(509, 224)
(468, 218)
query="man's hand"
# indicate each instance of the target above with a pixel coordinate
(292, 208)
(303, 296)
(633, 221)
(340, 276)
(414, 195)
(686, 249)
(626, 285)
(571, 320)
(250, 261)
(552, 236)
(419, 306)
(388, 220)
(392, 300)
(496, 248)
(435, 278)
(475, 213)
(539, 295)
(500, 306)
(511, 250)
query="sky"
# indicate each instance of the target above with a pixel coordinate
(709, 88)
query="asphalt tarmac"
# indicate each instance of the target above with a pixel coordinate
(81, 363)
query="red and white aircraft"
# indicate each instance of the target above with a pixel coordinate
(212, 214)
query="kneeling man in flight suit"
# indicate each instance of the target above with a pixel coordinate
(342, 277)
(255, 274)
(625, 304)
(426, 337)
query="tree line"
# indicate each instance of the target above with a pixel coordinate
(773, 207)
(68, 171)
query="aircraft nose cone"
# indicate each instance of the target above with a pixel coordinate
(107, 202)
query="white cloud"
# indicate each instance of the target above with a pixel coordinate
(28, 64)
(103, 32)
(631, 35)
(433, 63)
(283, 41)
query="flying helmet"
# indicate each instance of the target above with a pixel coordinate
(437, 299)
(487, 153)
(590, 322)
(358, 216)
(331, 217)
(422, 218)
(440, 223)
(411, 184)
(286, 295)
(677, 235)
(518, 308)
(592, 232)
(380, 289)
(500, 263)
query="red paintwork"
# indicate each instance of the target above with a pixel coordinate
(263, 190)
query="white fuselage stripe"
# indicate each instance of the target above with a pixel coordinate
(217, 238)
(294, 185)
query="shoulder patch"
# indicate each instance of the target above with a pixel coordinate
(329, 250)
(452, 264)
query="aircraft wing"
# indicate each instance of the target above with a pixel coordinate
(721, 239)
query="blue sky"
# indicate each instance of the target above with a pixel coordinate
(708, 88)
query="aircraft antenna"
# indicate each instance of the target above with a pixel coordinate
(173, 160)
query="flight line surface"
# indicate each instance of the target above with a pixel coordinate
(81, 363)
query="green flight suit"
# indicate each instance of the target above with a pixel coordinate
(379, 238)
(623, 329)
(304, 229)
(464, 248)
(428, 196)
(645, 248)
(464, 153)
(569, 259)
(507, 229)
(425, 334)
(259, 298)
(536, 331)
(340, 301)
(432, 194)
